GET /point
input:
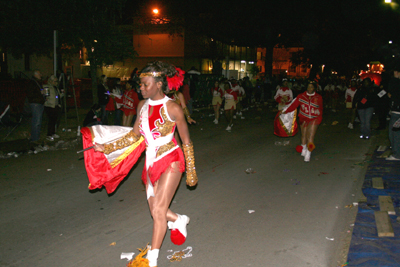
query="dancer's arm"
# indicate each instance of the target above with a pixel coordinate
(176, 113)
(185, 109)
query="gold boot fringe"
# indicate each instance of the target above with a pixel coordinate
(139, 261)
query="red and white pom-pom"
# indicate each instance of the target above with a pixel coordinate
(299, 148)
(311, 147)
(177, 80)
(178, 229)
(177, 237)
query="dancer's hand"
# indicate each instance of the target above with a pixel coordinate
(190, 120)
(99, 147)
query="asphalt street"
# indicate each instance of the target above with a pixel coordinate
(286, 213)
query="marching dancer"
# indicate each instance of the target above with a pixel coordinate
(157, 120)
(230, 104)
(217, 94)
(310, 116)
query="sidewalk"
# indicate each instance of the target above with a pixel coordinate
(15, 140)
(366, 248)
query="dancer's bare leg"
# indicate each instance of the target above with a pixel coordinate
(164, 190)
(227, 115)
(216, 111)
(127, 120)
(304, 132)
(311, 130)
(231, 112)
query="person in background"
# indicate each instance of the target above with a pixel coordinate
(217, 94)
(130, 101)
(52, 106)
(237, 87)
(350, 110)
(93, 117)
(36, 100)
(394, 96)
(365, 100)
(283, 95)
(230, 104)
(382, 106)
(103, 95)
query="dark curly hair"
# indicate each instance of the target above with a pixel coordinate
(166, 70)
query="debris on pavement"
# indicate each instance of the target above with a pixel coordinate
(249, 171)
(127, 255)
(113, 244)
(295, 181)
(335, 122)
(330, 238)
(251, 211)
(179, 255)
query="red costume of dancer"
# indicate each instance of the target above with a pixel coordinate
(283, 91)
(311, 107)
(130, 101)
(217, 92)
(162, 149)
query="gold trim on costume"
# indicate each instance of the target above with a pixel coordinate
(165, 148)
(164, 128)
(126, 153)
(152, 74)
(124, 141)
(191, 176)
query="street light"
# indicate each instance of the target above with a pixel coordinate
(388, 1)
(155, 11)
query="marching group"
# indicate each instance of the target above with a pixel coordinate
(362, 99)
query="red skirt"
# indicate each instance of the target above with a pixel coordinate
(307, 121)
(162, 165)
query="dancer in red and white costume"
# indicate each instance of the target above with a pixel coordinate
(310, 116)
(130, 101)
(217, 94)
(240, 94)
(230, 104)
(283, 95)
(165, 162)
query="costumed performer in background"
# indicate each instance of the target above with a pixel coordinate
(130, 101)
(310, 116)
(165, 162)
(283, 95)
(230, 104)
(217, 94)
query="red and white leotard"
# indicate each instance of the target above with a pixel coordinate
(311, 107)
(217, 92)
(161, 147)
(283, 91)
